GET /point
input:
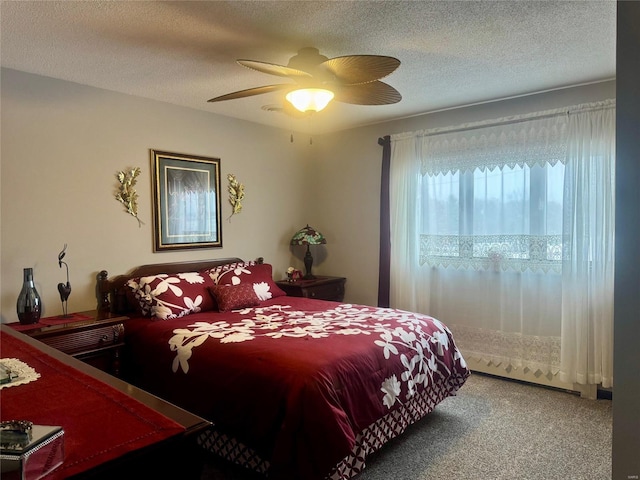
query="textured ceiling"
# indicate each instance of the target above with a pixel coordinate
(453, 53)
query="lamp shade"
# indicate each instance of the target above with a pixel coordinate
(308, 236)
(310, 99)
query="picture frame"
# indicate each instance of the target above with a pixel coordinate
(186, 201)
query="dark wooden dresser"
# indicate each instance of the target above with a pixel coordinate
(176, 456)
(96, 338)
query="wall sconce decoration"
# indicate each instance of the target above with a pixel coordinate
(236, 195)
(64, 290)
(126, 193)
(308, 236)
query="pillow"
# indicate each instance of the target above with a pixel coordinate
(259, 276)
(215, 272)
(132, 299)
(234, 297)
(171, 296)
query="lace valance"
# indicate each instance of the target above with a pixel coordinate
(531, 139)
(530, 143)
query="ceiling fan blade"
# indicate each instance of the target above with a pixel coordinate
(356, 69)
(249, 92)
(372, 93)
(273, 69)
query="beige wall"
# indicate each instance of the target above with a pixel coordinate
(62, 144)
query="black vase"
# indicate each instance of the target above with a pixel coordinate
(29, 305)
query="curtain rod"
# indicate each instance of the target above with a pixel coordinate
(604, 105)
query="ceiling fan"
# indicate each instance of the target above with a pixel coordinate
(353, 79)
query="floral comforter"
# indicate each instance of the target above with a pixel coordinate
(296, 379)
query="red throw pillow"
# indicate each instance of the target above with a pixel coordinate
(259, 276)
(170, 296)
(234, 297)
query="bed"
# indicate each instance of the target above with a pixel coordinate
(296, 388)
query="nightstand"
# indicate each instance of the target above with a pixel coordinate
(320, 288)
(97, 338)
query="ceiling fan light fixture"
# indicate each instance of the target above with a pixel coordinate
(310, 99)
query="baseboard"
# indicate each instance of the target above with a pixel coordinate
(528, 375)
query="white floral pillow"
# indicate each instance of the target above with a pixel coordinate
(167, 296)
(216, 273)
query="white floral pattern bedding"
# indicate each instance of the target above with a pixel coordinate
(297, 379)
(279, 321)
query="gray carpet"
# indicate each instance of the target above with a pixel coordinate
(493, 430)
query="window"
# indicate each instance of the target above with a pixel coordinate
(520, 211)
(507, 218)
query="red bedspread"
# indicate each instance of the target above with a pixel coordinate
(296, 379)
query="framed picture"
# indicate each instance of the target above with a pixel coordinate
(186, 201)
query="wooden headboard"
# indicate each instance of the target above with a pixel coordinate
(111, 292)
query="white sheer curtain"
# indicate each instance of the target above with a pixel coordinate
(404, 176)
(588, 266)
(478, 234)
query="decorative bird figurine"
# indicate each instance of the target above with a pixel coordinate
(64, 290)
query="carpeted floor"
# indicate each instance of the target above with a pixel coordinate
(493, 430)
